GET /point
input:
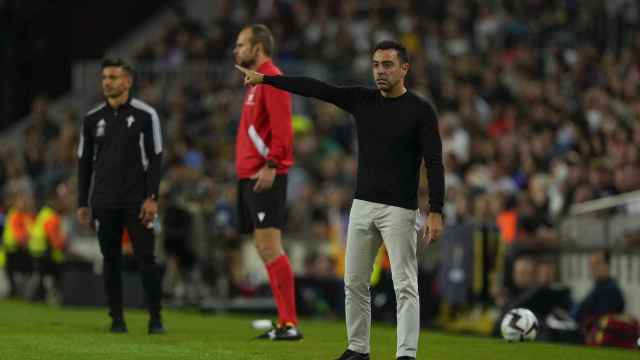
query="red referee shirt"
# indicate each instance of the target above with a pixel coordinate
(265, 131)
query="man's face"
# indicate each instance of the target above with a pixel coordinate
(115, 81)
(546, 274)
(39, 107)
(523, 273)
(63, 201)
(387, 70)
(245, 53)
(598, 266)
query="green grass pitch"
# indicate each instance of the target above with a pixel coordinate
(30, 332)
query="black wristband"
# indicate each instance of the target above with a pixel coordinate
(272, 164)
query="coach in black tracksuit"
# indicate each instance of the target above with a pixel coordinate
(120, 148)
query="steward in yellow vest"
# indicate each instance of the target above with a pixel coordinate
(47, 243)
(15, 237)
(47, 238)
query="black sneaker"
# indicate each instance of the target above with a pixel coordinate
(118, 327)
(352, 355)
(288, 333)
(156, 327)
(406, 358)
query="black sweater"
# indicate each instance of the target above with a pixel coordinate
(605, 298)
(394, 134)
(121, 150)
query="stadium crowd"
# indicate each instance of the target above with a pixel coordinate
(539, 110)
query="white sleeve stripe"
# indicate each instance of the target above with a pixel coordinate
(157, 134)
(143, 153)
(96, 109)
(258, 142)
(81, 143)
(155, 123)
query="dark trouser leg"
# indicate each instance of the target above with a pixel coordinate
(10, 270)
(142, 239)
(109, 226)
(18, 269)
(53, 270)
(35, 288)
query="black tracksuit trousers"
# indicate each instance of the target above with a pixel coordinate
(110, 224)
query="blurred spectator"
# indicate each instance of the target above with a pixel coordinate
(61, 157)
(16, 179)
(224, 238)
(177, 222)
(605, 297)
(42, 125)
(489, 252)
(547, 295)
(632, 239)
(34, 154)
(536, 287)
(319, 292)
(524, 277)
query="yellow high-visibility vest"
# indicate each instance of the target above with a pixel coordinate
(39, 241)
(16, 227)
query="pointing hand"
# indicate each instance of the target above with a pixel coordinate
(250, 77)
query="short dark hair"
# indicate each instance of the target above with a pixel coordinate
(260, 34)
(402, 52)
(117, 62)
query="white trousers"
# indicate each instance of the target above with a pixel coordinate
(370, 224)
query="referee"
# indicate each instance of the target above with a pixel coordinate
(121, 148)
(396, 130)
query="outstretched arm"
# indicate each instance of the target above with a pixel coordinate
(344, 97)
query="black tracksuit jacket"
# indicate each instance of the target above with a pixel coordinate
(121, 151)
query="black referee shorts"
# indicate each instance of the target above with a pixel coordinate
(261, 210)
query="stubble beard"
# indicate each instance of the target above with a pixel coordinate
(247, 63)
(388, 85)
(113, 94)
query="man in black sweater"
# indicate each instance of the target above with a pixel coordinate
(119, 156)
(605, 297)
(396, 130)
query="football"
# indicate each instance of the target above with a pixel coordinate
(519, 325)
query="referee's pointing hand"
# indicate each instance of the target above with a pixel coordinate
(250, 77)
